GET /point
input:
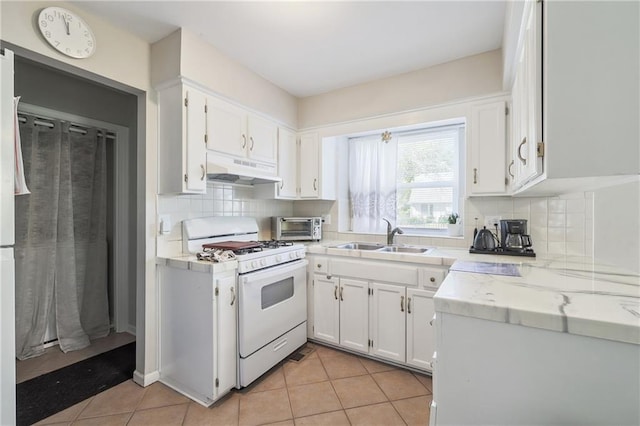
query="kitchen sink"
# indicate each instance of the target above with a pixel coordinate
(383, 248)
(400, 249)
(360, 246)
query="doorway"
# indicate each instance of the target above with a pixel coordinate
(49, 92)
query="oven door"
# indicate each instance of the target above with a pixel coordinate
(270, 303)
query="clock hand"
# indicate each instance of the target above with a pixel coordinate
(66, 24)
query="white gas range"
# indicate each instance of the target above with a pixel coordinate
(272, 300)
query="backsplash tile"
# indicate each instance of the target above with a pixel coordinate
(220, 200)
(557, 225)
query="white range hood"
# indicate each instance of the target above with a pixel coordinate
(227, 169)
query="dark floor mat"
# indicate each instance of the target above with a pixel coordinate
(43, 396)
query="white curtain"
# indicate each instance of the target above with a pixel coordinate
(61, 246)
(372, 183)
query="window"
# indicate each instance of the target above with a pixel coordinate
(413, 179)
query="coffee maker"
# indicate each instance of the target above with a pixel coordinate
(514, 237)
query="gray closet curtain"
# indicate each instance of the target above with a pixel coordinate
(61, 245)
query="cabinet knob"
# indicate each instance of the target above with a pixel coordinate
(319, 265)
(432, 279)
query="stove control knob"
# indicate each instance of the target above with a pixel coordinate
(292, 256)
(298, 254)
(263, 262)
(278, 258)
(254, 264)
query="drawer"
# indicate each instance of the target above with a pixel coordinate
(431, 277)
(320, 265)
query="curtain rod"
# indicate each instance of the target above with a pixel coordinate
(73, 127)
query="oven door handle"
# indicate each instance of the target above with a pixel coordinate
(295, 220)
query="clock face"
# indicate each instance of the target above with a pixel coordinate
(66, 32)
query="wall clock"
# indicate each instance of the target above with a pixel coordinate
(66, 32)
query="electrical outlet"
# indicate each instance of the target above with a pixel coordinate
(491, 221)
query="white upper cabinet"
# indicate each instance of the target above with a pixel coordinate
(287, 164)
(309, 166)
(239, 133)
(308, 173)
(576, 104)
(182, 140)
(488, 147)
(263, 139)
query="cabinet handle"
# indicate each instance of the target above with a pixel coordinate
(281, 185)
(408, 305)
(524, 160)
(244, 141)
(204, 172)
(431, 322)
(315, 184)
(233, 296)
(401, 303)
(335, 292)
(475, 175)
(252, 143)
(511, 165)
(341, 289)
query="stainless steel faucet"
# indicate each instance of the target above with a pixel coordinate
(391, 232)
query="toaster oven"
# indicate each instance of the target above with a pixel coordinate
(296, 228)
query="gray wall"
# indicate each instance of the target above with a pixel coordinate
(39, 85)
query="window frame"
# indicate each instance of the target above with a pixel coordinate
(458, 182)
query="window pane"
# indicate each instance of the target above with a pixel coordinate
(426, 176)
(428, 157)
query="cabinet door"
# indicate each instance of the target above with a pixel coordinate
(326, 313)
(309, 166)
(420, 336)
(354, 314)
(527, 92)
(488, 148)
(227, 128)
(387, 321)
(287, 163)
(195, 140)
(226, 334)
(263, 138)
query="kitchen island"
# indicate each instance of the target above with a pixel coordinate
(558, 344)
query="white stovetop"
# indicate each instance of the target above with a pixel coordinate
(560, 293)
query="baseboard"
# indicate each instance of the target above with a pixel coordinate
(145, 380)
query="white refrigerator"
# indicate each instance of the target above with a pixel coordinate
(7, 230)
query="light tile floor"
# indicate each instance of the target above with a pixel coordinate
(327, 387)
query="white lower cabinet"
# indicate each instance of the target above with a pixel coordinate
(420, 338)
(354, 314)
(389, 321)
(198, 329)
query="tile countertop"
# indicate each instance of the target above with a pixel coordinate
(560, 293)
